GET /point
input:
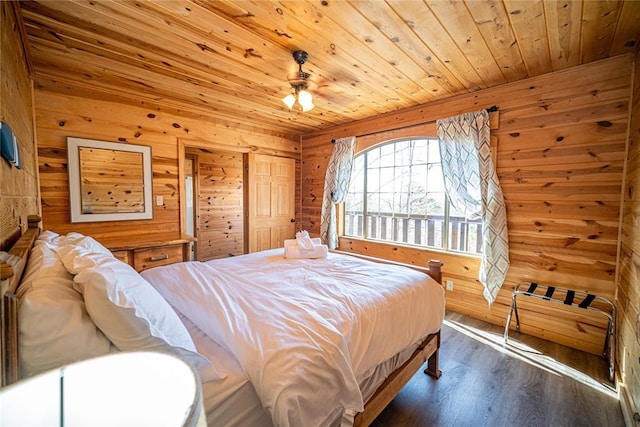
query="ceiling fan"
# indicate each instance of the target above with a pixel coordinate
(299, 84)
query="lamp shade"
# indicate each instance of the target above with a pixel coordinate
(305, 100)
(289, 100)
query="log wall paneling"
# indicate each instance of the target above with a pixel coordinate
(561, 141)
(220, 199)
(628, 286)
(18, 187)
(59, 116)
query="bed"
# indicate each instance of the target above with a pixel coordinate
(361, 368)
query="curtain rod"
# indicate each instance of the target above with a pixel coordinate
(333, 141)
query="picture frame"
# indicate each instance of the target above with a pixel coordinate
(109, 181)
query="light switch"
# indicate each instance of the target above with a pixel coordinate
(159, 200)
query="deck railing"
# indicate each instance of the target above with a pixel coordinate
(464, 235)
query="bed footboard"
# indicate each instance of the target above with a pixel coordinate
(434, 361)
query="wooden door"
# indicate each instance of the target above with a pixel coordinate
(270, 201)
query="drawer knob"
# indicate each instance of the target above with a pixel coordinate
(160, 257)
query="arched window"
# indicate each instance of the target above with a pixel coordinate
(397, 195)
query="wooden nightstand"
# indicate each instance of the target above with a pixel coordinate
(142, 256)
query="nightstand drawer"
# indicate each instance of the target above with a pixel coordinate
(154, 257)
(121, 255)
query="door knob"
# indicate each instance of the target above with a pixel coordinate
(292, 220)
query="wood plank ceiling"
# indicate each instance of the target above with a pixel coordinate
(228, 61)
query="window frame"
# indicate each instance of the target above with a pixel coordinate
(342, 229)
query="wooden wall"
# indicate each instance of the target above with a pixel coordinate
(628, 289)
(59, 116)
(220, 200)
(18, 187)
(560, 158)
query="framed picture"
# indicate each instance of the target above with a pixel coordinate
(109, 181)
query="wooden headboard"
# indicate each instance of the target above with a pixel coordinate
(18, 244)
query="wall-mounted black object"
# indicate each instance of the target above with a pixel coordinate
(9, 148)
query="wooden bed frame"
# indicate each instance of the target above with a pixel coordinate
(20, 244)
(427, 351)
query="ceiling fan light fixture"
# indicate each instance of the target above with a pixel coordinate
(305, 100)
(299, 85)
(289, 100)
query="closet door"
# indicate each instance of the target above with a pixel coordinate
(270, 201)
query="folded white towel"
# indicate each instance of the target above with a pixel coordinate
(293, 251)
(303, 239)
(315, 241)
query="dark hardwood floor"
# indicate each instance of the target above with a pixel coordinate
(530, 382)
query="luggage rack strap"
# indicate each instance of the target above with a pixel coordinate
(564, 296)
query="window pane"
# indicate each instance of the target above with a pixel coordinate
(435, 203)
(373, 158)
(373, 180)
(354, 202)
(357, 175)
(402, 152)
(417, 203)
(400, 181)
(386, 203)
(420, 151)
(373, 202)
(419, 174)
(387, 155)
(435, 179)
(434, 151)
(386, 179)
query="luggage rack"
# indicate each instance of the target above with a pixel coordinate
(574, 299)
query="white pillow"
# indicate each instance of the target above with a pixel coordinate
(56, 330)
(54, 326)
(45, 266)
(86, 242)
(49, 236)
(132, 314)
(76, 258)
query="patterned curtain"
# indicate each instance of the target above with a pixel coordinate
(336, 185)
(472, 185)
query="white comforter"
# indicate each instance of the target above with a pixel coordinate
(304, 330)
